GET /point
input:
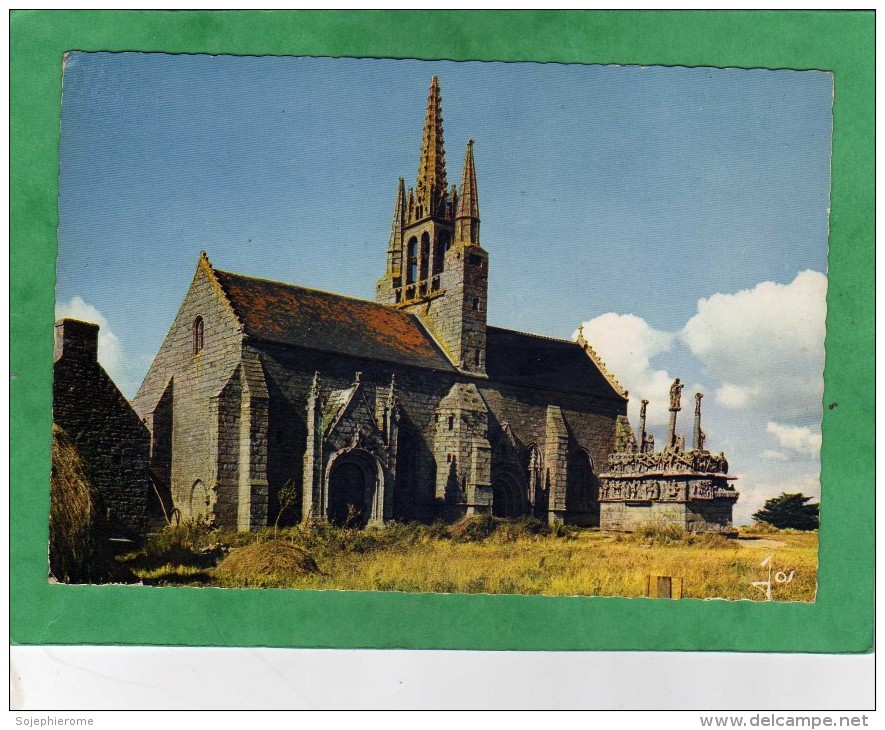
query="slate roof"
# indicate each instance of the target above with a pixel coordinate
(543, 362)
(292, 315)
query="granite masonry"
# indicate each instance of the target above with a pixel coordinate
(690, 489)
(410, 407)
(110, 437)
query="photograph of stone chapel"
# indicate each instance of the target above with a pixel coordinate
(276, 409)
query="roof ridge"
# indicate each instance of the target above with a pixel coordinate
(533, 334)
(607, 374)
(212, 275)
(312, 289)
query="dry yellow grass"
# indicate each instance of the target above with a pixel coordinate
(512, 559)
(592, 564)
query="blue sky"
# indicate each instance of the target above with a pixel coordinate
(622, 197)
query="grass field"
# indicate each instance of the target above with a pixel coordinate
(481, 556)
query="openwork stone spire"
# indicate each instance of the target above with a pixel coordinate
(394, 248)
(467, 218)
(432, 187)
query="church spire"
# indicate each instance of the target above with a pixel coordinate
(467, 217)
(394, 248)
(432, 187)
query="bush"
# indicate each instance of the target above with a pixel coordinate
(759, 528)
(790, 510)
(191, 544)
(524, 528)
(475, 528)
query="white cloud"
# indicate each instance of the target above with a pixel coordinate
(109, 350)
(761, 352)
(772, 455)
(797, 438)
(122, 369)
(733, 396)
(627, 343)
(765, 344)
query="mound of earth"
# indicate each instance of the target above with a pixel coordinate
(260, 562)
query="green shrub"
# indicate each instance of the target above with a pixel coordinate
(759, 528)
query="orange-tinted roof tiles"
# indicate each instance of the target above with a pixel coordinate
(292, 315)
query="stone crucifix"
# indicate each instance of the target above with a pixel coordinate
(675, 407)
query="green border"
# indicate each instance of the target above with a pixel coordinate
(842, 618)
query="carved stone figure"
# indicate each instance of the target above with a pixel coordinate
(676, 395)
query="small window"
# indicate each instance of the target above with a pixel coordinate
(476, 304)
(451, 422)
(198, 335)
(476, 358)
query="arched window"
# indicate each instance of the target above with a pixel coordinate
(442, 245)
(412, 261)
(198, 335)
(425, 255)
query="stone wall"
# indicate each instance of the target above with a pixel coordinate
(110, 437)
(690, 500)
(588, 427)
(236, 414)
(195, 379)
(694, 516)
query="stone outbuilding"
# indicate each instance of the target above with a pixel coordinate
(111, 439)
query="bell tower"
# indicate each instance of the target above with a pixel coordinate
(436, 267)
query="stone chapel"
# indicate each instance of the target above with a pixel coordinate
(411, 407)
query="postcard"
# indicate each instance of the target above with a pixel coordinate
(393, 336)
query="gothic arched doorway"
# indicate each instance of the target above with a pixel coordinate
(352, 487)
(508, 496)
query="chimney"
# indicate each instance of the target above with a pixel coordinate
(74, 338)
